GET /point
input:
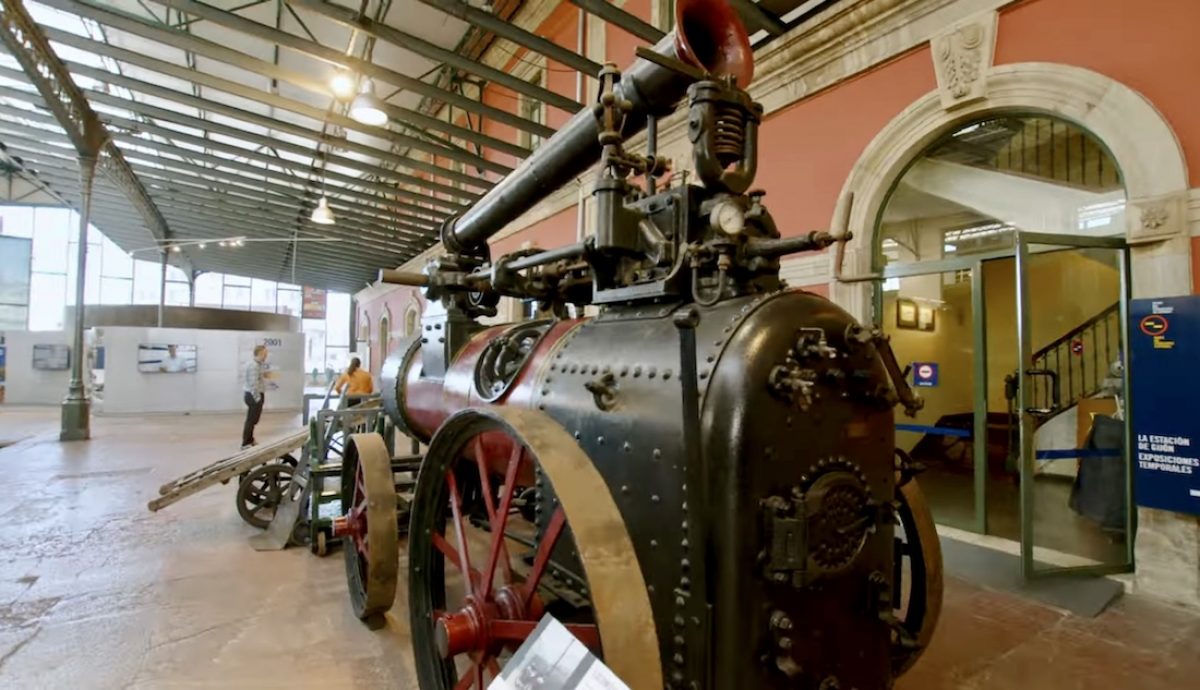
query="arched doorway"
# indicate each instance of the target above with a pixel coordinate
(947, 242)
(944, 211)
(412, 321)
(385, 333)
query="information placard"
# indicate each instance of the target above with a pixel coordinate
(1164, 342)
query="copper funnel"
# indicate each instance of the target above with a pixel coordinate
(710, 35)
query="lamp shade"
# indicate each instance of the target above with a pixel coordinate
(322, 214)
(367, 108)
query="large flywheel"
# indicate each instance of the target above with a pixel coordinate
(368, 527)
(482, 575)
(918, 555)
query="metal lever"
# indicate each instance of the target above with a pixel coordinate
(1055, 393)
(841, 231)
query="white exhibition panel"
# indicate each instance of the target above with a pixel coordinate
(25, 385)
(216, 384)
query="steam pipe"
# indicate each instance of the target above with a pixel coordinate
(708, 35)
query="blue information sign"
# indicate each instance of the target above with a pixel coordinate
(1164, 342)
(925, 374)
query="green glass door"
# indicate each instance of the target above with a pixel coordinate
(1070, 406)
(931, 320)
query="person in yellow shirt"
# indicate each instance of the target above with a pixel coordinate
(355, 381)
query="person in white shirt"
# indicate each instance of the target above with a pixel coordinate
(254, 387)
(173, 364)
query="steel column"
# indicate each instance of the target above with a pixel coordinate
(76, 409)
(980, 398)
(162, 288)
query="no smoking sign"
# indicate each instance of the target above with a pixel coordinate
(925, 374)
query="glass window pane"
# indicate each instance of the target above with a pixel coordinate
(289, 302)
(16, 221)
(972, 188)
(337, 358)
(337, 319)
(50, 248)
(47, 298)
(116, 263)
(116, 291)
(12, 317)
(177, 295)
(147, 282)
(314, 350)
(208, 290)
(236, 297)
(94, 234)
(262, 295)
(237, 280)
(176, 273)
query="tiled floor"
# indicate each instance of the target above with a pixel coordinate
(97, 592)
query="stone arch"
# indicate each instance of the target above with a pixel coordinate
(364, 328)
(1141, 141)
(385, 332)
(412, 320)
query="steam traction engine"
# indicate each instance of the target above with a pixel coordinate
(700, 482)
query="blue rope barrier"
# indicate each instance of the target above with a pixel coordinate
(935, 430)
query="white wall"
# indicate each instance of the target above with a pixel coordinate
(217, 384)
(26, 385)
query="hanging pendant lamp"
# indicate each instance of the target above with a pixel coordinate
(367, 108)
(322, 214)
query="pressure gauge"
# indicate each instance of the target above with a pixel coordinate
(728, 217)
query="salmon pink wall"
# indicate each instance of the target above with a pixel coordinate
(555, 231)
(396, 303)
(1149, 46)
(620, 46)
(808, 149)
(1196, 265)
(821, 289)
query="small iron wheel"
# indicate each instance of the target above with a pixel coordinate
(481, 576)
(370, 544)
(261, 492)
(918, 578)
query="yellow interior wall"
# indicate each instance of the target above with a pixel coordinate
(949, 345)
(1067, 288)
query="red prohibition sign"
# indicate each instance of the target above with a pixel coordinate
(1154, 324)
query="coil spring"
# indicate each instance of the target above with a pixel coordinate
(730, 134)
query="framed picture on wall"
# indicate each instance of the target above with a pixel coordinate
(926, 317)
(167, 359)
(906, 313)
(51, 357)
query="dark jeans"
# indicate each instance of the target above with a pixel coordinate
(253, 413)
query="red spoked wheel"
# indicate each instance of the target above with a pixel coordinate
(481, 576)
(370, 539)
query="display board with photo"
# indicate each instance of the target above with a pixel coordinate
(51, 357)
(166, 359)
